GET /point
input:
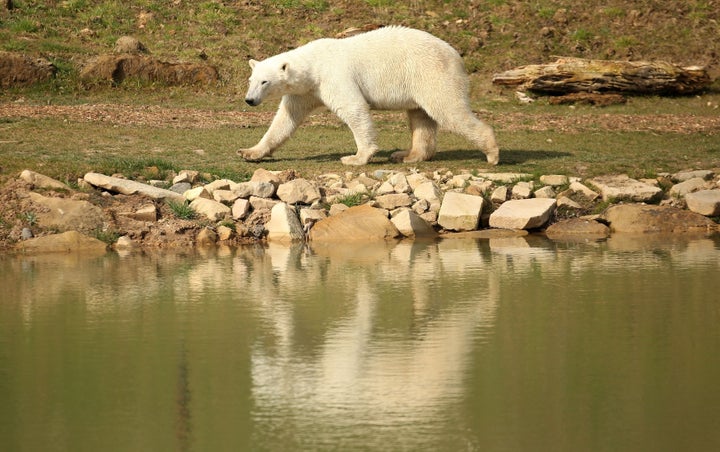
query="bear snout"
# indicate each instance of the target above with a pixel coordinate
(251, 102)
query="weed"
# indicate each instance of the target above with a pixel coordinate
(30, 218)
(108, 236)
(181, 210)
(351, 199)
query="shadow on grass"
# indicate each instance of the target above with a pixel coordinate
(507, 157)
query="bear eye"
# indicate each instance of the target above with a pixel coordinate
(264, 82)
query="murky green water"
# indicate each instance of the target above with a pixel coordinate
(507, 344)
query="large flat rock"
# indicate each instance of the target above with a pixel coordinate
(704, 202)
(64, 214)
(460, 211)
(66, 242)
(523, 213)
(129, 187)
(641, 218)
(622, 187)
(360, 223)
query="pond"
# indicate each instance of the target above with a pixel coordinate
(459, 344)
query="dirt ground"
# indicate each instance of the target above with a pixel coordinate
(127, 115)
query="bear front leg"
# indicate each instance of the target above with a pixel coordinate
(291, 113)
(360, 122)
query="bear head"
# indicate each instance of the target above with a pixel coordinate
(269, 78)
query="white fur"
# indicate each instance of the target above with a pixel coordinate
(393, 68)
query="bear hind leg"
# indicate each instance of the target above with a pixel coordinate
(424, 138)
(464, 122)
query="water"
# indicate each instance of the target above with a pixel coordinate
(500, 345)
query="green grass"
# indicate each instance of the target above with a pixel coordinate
(182, 210)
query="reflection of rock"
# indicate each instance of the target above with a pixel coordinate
(577, 227)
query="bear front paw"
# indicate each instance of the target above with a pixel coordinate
(353, 160)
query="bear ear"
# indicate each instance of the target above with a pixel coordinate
(252, 63)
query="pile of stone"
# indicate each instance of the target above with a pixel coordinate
(280, 206)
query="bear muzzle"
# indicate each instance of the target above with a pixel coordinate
(252, 102)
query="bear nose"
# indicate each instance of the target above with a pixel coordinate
(250, 102)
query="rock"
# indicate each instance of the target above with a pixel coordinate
(224, 196)
(564, 201)
(577, 187)
(206, 237)
(399, 182)
(40, 181)
(554, 180)
(416, 179)
(682, 176)
(124, 243)
(180, 187)
(359, 223)
(259, 189)
(128, 44)
(687, 186)
(577, 227)
(545, 192)
(411, 224)
(219, 184)
(225, 233)
(128, 187)
(188, 176)
(146, 212)
(284, 224)
(240, 209)
(308, 215)
(26, 234)
(704, 202)
(641, 218)
(197, 192)
(621, 187)
(212, 210)
(505, 178)
(262, 203)
(523, 214)
(393, 201)
(67, 214)
(263, 175)
(70, 241)
(460, 212)
(337, 208)
(298, 191)
(500, 194)
(522, 190)
(428, 191)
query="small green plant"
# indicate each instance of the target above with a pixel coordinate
(351, 199)
(30, 218)
(108, 236)
(181, 210)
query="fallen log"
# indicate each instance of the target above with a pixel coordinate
(575, 75)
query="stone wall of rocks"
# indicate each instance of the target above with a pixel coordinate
(383, 204)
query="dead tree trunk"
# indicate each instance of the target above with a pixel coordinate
(575, 75)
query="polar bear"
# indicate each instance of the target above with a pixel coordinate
(392, 68)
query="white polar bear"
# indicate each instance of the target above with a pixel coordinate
(393, 68)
